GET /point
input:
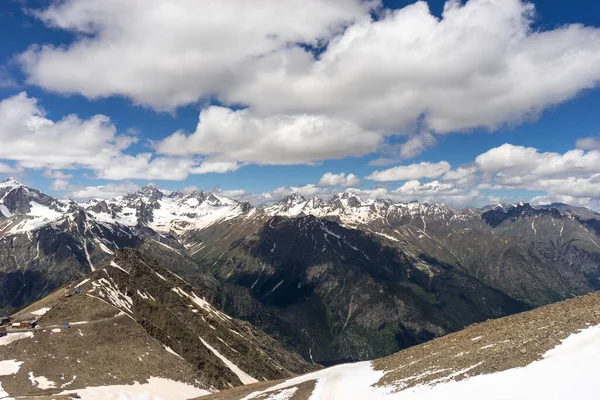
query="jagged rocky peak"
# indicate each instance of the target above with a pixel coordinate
(346, 199)
(317, 202)
(10, 181)
(199, 197)
(17, 198)
(292, 200)
(352, 199)
(150, 192)
(384, 202)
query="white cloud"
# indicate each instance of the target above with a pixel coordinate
(593, 204)
(34, 141)
(306, 191)
(60, 185)
(9, 169)
(518, 162)
(573, 176)
(436, 192)
(417, 144)
(227, 135)
(330, 179)
(589, 143)
(460, 174)
(31, 140)
(108, 191)
(481, 65)
(184, 49)
(145, 166)
(57, 175)
(217, 167)
(411, 148)
(411, 172)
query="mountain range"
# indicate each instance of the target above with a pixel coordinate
(339, 279)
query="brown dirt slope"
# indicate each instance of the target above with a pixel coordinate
(103, 347)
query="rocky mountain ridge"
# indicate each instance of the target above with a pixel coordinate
(133, 320)
(337, 279)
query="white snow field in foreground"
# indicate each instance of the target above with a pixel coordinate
(155, 389)
(569, 371)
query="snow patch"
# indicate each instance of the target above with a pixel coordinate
(8, 367)
(114, 264)
(13, 337)
(170, 350)
(285, 394)
(83, 282)
(41, 382)
(154, 389)
(41, 311)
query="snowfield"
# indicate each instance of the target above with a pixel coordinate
(14, 336)
(568, 371)
(8, 367)
(155, 389)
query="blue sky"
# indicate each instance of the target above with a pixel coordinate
(428, 92)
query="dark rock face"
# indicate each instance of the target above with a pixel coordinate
(495, 218)
(33, 265)
(336, 294)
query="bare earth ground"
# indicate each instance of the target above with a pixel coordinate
(492, 346)
(102, 347)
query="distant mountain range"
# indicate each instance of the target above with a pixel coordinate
(333, 279)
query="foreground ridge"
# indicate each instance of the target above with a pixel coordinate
(549, 352)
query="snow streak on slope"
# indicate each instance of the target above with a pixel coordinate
(244, 377)
(569, 371)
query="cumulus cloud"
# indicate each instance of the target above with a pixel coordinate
(34, 141)
(145, 166)
(513, 163)
(9, 169)
(228, 135)
(217, 167)
(184, 49)
(436, 191)
(60, 185)
(108, 191)
(330, 179)
(572, 175)
(460, 174)
(57, 175)
(411, 172)
(480, 65)
(416, 145)
(589, 143)
(411, 148)
(30, 140)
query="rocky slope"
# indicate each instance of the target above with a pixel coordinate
(135, 321)
(551, 353)
(333, 279)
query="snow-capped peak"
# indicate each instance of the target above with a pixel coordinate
(10, 181)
